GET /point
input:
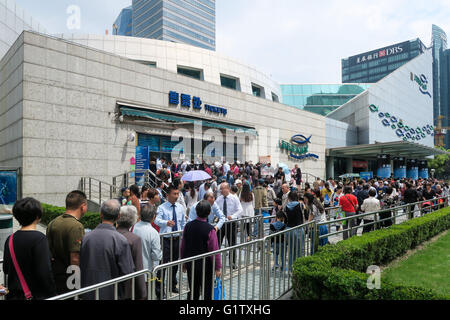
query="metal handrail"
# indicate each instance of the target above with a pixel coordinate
(94, 188)
(375, 213)
(264, 263)
(97, 287)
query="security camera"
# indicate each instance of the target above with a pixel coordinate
(131, 137)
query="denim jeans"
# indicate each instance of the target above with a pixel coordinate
(279, 249)
(295, 242)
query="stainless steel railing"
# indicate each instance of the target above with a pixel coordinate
(98, 191)
(257, 275)
(390, 215)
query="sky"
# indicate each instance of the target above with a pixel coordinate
(294, 41)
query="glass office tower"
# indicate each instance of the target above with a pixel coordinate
(187, 21)
(372, 66)
(320, 98)
(445, 93)
(439, 43)
(123, 25)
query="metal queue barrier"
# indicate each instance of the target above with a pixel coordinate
(2, 278)
(263, 265)
(349, 226)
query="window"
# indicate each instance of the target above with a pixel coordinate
(258, 91)
(230, 82)
(275, 98)
(147, 63)
(190, 72)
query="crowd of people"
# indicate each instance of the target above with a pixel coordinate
(147, 226)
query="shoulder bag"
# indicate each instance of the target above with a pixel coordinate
(22, 280)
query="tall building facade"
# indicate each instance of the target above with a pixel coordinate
(444, 69)
(185, 21)
(439, 44)
(124, 22)
(372, 66)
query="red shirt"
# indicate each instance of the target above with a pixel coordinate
(348, 206)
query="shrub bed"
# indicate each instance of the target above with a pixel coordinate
(337, 272)
(90, 220)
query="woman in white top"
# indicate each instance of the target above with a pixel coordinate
(191, 197)
(248, 205)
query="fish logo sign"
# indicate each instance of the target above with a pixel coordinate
(298, 148)
(422, 81)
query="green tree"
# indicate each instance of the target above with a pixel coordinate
(441, 164)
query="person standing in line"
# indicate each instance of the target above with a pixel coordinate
(32, 254)
(216, 213)
(134, 198)
(200, 237)
(151, 244)
(371, 204)
(295, 240)
(247, 200)
(64, 235)
(144, 195)
(171, 217)
(349, 205)
(316, 213)
(125, 195)
(178, 183)
(261, 201)
(284, 196)
(105, 254)
(232, 209)
(128, 217)
(191, 197)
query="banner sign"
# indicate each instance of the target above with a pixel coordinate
(8, 187)
(142, 163)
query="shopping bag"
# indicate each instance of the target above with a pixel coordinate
(341, 215)
(266, 214)
(218, 288)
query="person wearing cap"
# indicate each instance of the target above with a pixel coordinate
(238, 184)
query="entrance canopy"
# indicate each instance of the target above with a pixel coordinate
(177, 119)
(404, 149)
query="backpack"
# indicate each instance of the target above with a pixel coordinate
(326, 199)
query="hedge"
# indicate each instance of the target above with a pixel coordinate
(90, 220)
(337, 272)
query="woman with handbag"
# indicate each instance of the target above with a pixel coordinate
(27, 265)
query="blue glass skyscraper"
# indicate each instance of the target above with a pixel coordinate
(187, 21)
(124, 23)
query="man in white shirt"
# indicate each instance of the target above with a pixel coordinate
(232, 209)
(226, 168)
(370, 204)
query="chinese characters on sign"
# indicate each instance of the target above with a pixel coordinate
(196, 102)
(379, 54)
